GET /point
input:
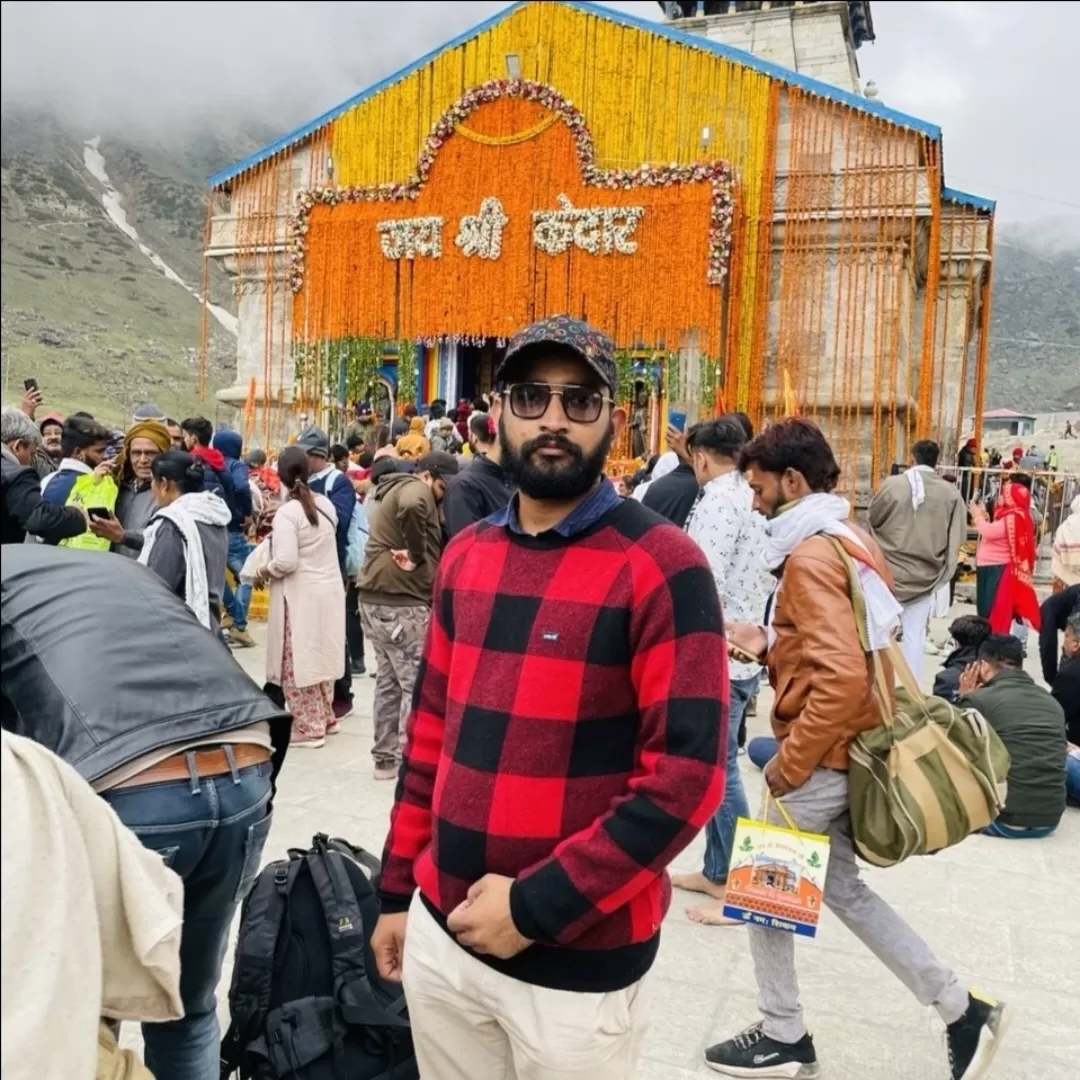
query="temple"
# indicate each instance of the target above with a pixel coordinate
(716, 191)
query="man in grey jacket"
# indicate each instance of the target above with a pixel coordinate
(919, 520)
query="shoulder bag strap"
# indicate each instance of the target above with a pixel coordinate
(882, 689)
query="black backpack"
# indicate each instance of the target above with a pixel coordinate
(306, 1001)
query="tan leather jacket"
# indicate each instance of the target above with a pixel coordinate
(822, 678)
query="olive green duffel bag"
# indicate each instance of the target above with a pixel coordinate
(928, 776)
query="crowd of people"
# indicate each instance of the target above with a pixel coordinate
(562, 675)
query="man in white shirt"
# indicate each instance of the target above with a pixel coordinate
(732, 536)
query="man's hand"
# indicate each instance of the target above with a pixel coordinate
(747, 639)
(31, 399)
(108, 529)
(388, 945)
(483, 921)
(969, 678)
(676, 440)
(402, 560)
(106, 468)
(775, 779)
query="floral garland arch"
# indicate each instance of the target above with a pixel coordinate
(718, 173)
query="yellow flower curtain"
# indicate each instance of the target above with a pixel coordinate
(830, 213)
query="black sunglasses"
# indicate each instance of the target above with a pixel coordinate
(530, 400)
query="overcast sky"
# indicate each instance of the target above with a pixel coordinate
(998, 77)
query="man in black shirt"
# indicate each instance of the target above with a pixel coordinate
(482, 488)
(1054, 613)
(673, 496)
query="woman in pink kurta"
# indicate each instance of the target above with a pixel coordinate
(305, 649)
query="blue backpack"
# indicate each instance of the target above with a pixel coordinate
(358, 532)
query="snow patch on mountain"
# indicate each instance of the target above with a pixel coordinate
(111, 200)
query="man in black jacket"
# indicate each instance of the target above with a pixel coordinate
(166, 726)
(674, 495)
(22, 509)
(482, 488)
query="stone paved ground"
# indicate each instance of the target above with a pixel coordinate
(1004, 913)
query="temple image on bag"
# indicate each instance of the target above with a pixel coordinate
(717, 191)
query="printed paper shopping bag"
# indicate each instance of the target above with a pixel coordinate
(776, 878)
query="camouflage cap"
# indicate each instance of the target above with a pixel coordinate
(592, 345)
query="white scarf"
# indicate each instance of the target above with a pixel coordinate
(915, 482)
(186, 513)
(828, 514)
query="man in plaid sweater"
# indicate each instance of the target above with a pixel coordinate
(567, 741)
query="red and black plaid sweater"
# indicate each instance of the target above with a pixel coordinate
(568, 730)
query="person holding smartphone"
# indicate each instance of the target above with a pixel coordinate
(22, 509)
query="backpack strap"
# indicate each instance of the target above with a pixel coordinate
(260, 925)
(345, 931)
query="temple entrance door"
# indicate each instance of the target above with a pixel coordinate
(477, 366)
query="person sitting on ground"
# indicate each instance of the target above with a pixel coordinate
(1031, 724)
(1054, 615)
(968, 633)
(1066, 688)
(22, 508)
(1066, 691)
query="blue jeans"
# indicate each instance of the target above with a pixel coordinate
(211, 831)
(762, 750)
(1011, 832)
(720, 831)
(1072, 777)
(237, 604)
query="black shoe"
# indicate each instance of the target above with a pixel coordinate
(357, 669)
(753, 1053)
(974, 1039)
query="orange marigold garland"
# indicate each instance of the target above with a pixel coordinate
(613, 300)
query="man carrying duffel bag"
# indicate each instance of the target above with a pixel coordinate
(824, 680)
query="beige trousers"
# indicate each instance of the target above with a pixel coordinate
(470, 1022)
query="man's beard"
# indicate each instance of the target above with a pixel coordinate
(542, 478)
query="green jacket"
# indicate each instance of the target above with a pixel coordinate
(1031, 724)
(406, 517)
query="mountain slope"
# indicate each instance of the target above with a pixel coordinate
(100, 327)
(84, 310)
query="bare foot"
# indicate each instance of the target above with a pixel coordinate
(698, 882)
(711, 915)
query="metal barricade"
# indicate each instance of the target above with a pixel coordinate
(1052, 494)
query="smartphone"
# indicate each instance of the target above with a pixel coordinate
(677, 419)
(99, 512)
(30, 384)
